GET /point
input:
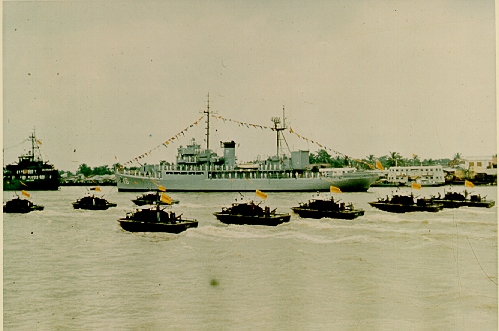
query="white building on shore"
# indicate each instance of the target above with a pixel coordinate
(423, 175)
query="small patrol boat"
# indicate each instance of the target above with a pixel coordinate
(405, 203)
(151, 198)
(250, 213)
(456, 199)
(156, 219)
(93, 203)
(18, 205)
(320, 206)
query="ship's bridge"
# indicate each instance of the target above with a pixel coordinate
(192, 154)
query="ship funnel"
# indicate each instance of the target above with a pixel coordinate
(229, 152)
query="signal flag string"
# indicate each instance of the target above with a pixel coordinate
(248, 125)
(293, 132)
(166, 143)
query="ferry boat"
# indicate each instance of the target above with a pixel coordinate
(30, 172)
(198, 169)
(423, 175)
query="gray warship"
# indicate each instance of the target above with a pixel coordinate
(202, 170)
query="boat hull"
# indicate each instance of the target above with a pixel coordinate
(142, 202)
(272, 220)
(466, 203)
(21, 210)
(401, 208)
(77, 205)
(36, 185)
(201, 183)
(314, 213)
(138, 226)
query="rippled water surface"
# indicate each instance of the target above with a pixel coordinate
(67, 269)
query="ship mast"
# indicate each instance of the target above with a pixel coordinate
(278, 129)
(207, 112)
(33, 144)
(33, 140)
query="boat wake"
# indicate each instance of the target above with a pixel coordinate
(262, 232)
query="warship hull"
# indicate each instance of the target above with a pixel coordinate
(36, 185)
(356, 182)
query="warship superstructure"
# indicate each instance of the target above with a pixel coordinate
(30, 172)
(198, 169)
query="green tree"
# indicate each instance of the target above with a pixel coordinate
(322, 156)
(102, 170)
(429, 162)
(415, 159)
(394, 159)
(369, 162)
(84, 170)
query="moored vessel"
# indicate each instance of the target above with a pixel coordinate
(422, 175)
(197, 169)
(30, 172)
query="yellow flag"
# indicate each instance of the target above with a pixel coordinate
(166, 199)
(161, 188)
(261, 194)
(38, 142)
(468, 184)
(379, 165)
(416, 186)
(334, 189)
(26, 194)
(97, 188)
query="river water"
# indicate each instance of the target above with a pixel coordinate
(67, 269)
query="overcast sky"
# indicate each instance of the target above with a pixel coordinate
(104, 79)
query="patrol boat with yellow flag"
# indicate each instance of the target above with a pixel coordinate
(92, 202)
(156, 218)
(401, 203)
(456, 199)
(151, 198)
(247, 212)
(18, 205)
(30, 172)
(198, 169)
(321, 206)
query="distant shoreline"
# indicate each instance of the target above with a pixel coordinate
(87, 184)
